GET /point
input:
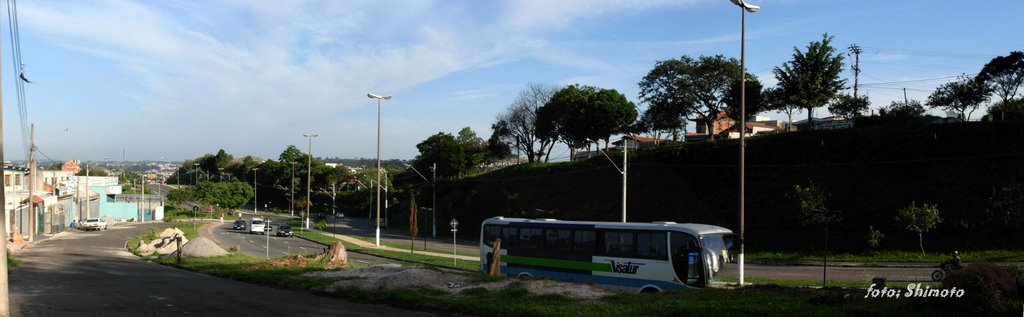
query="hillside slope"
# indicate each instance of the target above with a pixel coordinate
(868, 173)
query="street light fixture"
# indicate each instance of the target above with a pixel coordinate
(745, 7)
(309, 171)
(433, 191)
(379, 98)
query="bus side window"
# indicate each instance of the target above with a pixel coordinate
(584, 241)
(651, 245)
(509, 236)
(619, 243)
(558, 239)
(491, 232)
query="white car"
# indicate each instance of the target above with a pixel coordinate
(93, 224)
(257, 226)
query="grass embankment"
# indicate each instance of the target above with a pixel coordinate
(405, 256)
(891, 256)
(418, 246)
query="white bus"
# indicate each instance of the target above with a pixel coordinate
(633, 257)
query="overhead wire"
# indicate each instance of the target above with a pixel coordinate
(19, 72)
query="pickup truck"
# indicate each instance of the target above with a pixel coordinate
(93, 224)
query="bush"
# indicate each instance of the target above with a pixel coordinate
(988, 287)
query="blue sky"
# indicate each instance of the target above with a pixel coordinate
(177, 79)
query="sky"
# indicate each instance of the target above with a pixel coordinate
(174, 80)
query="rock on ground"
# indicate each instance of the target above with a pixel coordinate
(164, 243)
(202, 247)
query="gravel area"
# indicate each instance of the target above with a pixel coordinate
(202, 247)
(393, 276)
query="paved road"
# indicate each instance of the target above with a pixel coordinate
(834, 273)
(256, 244)
(90, 274)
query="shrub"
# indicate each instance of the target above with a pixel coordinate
(988, 287)
(874, 237)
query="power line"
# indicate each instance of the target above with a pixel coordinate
(923, 80)
(928, 53)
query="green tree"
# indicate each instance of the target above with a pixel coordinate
(1004, 75)
(962, 96)
(902, 111)
(444, 150)
(92, 171)
(691, 87)
(292, 154)
(775, 99)
(578, 113)
(1009, 110)
(226, 194)
(874, 237)
(849, 107)
(754, 102)
(811, 79)
(811, 207)
(918, 219)
(664, 90)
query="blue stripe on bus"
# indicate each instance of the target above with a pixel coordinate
(596, 279)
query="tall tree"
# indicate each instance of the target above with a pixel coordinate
(517, 126)
(811, 79)
(775, 99)
(579, 113)
(1005, 75)
(962, 96)
(444, 150)
(664, 91)
(754, 102)
(848, 106)
(691, 87)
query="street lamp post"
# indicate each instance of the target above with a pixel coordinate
(291, 194)
(255, 203)
(433, 191)
(309, 164)
(744, 8)
(195, 178)
(455, 229)
(379, 98)
(623, 171)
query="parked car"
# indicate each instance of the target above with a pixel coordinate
(284, 231)
(239, 225)
(93, 224)
(257, 226)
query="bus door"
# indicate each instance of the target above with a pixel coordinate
(687, 259)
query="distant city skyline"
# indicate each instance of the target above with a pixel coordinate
(175, 80)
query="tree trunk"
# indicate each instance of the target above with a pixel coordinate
(709, 126)
(789, 126)
(810, 119)
(920, 242)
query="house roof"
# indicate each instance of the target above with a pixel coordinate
(35, 200)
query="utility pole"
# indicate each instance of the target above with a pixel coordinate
(31, 182)
(4, 296)
(856, 67)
